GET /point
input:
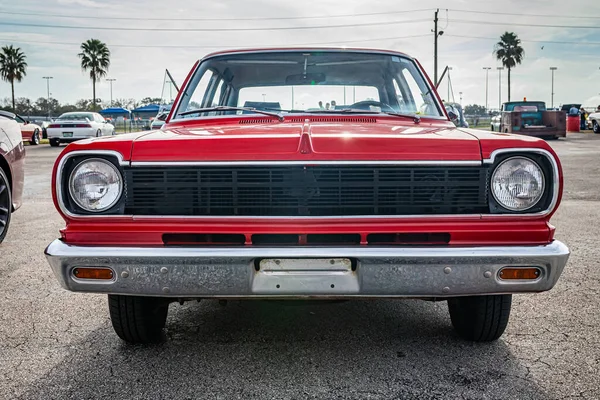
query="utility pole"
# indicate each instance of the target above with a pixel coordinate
(487, 80)
(552, 69)
(47, 78)
(111, 80)
(460, 94)
(436, 34)
(500, 87)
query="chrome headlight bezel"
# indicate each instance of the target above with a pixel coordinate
(76, 204)
(544, 181)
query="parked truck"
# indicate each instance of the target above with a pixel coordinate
(533, 119)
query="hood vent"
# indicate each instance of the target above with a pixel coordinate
(256, 121)
(358, 120)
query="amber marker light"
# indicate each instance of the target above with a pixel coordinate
(96, 273)
(520, 273)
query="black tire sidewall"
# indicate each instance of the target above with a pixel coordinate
(35, 138)
(4, 178)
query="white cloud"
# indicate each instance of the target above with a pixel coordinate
(85, 3)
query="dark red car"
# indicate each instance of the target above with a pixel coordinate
(308, 174)
(12, 156)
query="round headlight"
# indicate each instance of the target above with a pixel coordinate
(95, 185)
(518, 183)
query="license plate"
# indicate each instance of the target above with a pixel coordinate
(68, 134)
(305, 277)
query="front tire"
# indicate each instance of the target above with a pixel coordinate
(480, 318)
(35, 138)
(98, 133)
(138, 320)
(5, 205)
(596, 127)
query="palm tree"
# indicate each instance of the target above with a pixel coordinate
(95, 58)
(12, 67)
(509, 51)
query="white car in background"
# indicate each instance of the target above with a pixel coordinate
(159, 121)
(495, 123)
(593, 122)
(78, 125)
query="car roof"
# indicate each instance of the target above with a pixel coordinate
(7, 114)
(304, 49)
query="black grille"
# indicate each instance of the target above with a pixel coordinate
(305, 190)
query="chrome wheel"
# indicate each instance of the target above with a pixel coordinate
(5, 205)
(596, 127)
(35, 139)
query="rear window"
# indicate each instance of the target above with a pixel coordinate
(526, 108)
(76, 117)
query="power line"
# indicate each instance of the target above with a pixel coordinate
(528, 41)
(284, 28)
(524, 15)
(214, 46)
(214, 19)
(467, 21)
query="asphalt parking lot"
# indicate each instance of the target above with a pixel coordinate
(60, 345)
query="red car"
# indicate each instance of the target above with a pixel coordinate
(30, 132)
(308, 174)
(12, 159)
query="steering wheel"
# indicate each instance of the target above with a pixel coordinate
(367, 104)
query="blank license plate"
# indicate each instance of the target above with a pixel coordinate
(298, 277)
(305, 264)
(68, 134)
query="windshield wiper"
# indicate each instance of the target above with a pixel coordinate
(416, 119)
(231, 108)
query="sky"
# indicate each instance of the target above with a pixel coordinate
(147, 36)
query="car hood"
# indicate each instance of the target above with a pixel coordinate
(298, 139)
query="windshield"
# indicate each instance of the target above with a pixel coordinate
(75, 117)
(319, 81)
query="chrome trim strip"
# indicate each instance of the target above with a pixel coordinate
(59, 177)
(302, 162)
(555, 177)
(387, 271)
(390, 218)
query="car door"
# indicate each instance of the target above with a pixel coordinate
(100, 124)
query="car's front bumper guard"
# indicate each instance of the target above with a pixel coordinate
(376, 271)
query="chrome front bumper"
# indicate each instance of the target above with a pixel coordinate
(375, 271)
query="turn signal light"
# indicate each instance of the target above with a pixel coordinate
(93, 273)
(520, 273)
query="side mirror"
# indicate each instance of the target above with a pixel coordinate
(452, 115)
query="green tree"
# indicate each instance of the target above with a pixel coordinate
(509, 51)
(95, 59)
(42, 106)
(12, 67)
(23, 106)
(474, 109)
(150, 100)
